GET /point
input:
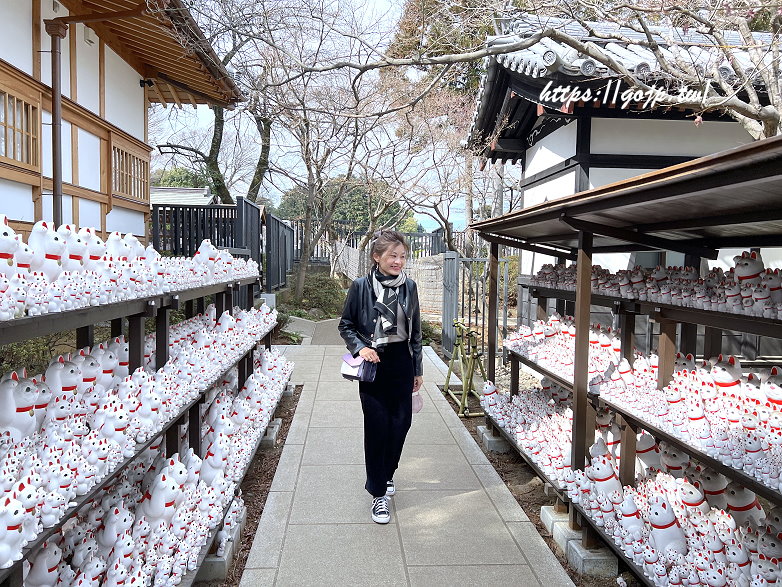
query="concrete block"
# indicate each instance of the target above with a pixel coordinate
(563, 534)
(288, 391)
(270, 299)
(549, 516)
(270, 438)
(215, 568)
(600, 562)
(491, 442)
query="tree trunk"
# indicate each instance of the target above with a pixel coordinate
(307, 245)
(212, 166)
(264, 126)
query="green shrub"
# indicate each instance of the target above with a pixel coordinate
(431, 332)
(323, 292)
(283, 319)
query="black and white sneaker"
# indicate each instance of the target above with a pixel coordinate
(380, 512)
(390, 488)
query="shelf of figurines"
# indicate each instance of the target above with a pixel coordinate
(155, 524)
(26, 327)
(681, 522)
(78, 429)
(757, 294)
(192, 574)
(561, 381)
(711, 410)
(69, 278)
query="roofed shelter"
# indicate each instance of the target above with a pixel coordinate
(116, 57)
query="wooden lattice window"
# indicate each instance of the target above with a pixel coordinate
(130, 173)
(19, 126)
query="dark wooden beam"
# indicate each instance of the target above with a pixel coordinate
(581, 428)
(494, 254)
(635, 237)
(510, 242)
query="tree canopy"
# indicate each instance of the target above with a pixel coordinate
(354, 210)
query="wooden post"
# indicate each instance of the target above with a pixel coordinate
(200, 306)
(116, 327)
(161, 336)
(583, 434)
(542, 311)
(189, 309)
(628, 434)
(57, 31)
(688, 338)
(194, 426)
(514, 373)
(712, 342)
(136, 341)
(666, 351)
(494, 249)
(85, 336)
(172, 437)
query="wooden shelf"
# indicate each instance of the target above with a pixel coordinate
(634, 568)
(83, 500)
(559, 380)
(561, 493)
(189, 578)
(751, 483)
(33, 326)
(722, 320)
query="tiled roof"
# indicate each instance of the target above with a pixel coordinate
(175, 196)
(549, 58)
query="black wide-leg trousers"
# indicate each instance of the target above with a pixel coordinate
(388, 412)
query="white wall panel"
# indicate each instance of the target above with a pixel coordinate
(553, 189)
(124, 96)
(16, 200)
(67, 208)
(16, 27)
(123, 221)
(89, 214)
(87, 71)
(65, 141)
(665, 137)
(550, 150)
(89, 160)
(599, 176)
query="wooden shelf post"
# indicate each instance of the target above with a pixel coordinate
(162, 324)
(85, 336)
(494, 249)
(666, 352)
(583, 430)
(136, 341)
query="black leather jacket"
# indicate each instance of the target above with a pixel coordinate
(357, 326)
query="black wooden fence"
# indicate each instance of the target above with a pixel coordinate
(179, 230)
(279, 253)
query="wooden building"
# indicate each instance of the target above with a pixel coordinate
(117, 57)
(567, 148)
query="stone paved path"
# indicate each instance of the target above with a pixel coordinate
(454, 522)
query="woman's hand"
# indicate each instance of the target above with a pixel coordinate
(418, 382)
(369, 354)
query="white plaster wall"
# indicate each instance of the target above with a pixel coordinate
(772, 258)
(87, 71)
(564, 185)
(665, 137)
(550, 150)
(16, 33)
(17, 200)
(123, 221)
(65, 140)
(46, 61)
(124, 97)
(89, 160)
(89, 213)
(67, 208)
(600, 176)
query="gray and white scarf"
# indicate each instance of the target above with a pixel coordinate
(386, 288)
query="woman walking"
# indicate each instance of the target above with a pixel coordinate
(381, 322)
